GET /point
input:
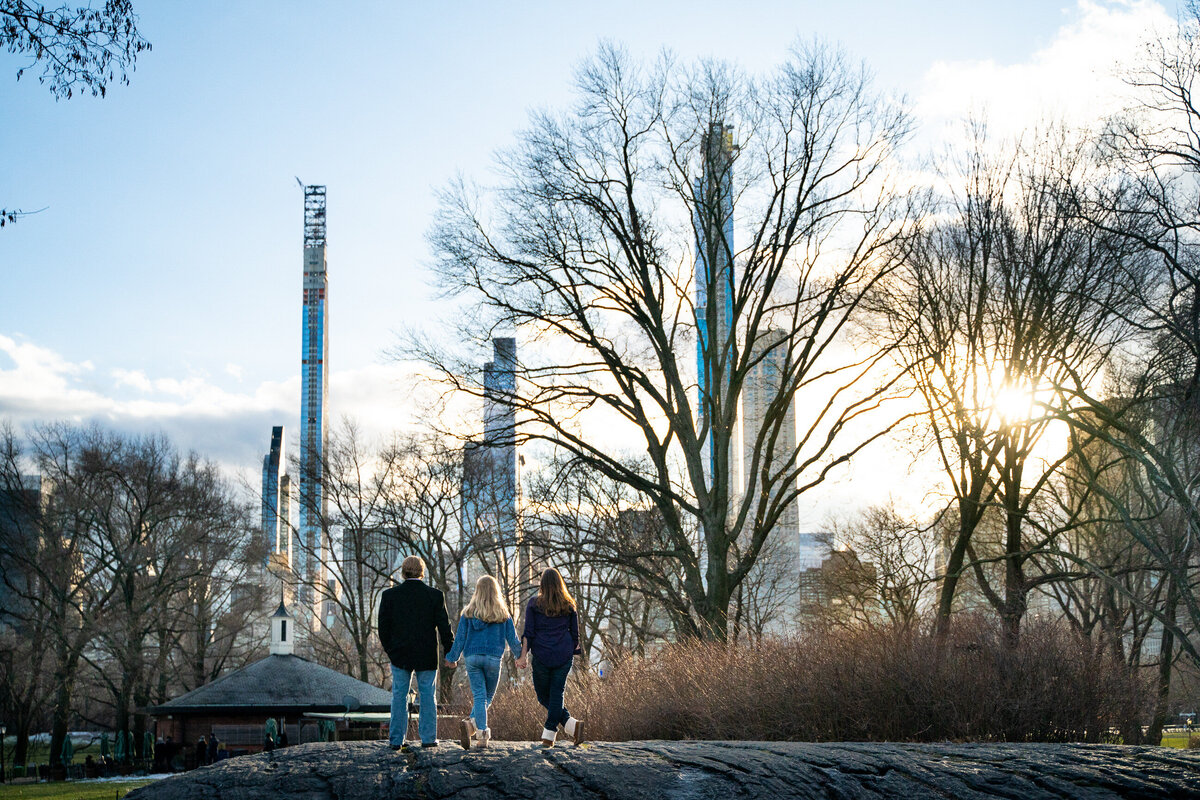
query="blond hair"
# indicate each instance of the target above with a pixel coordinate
(413, 567)
(487, 604)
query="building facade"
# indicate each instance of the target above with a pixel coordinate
(276, 537)
(491, 485)
(714, 279)
(769, 429)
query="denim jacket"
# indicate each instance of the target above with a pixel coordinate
(476, 637)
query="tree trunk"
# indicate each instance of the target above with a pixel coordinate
(1014, 581)
(967, 520)
(1165, 661)
(64, 680)
(21, 750)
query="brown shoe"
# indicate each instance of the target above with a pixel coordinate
(577, 738)
(464, 734)
(548, 737)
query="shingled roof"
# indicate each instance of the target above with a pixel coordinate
(279, 683)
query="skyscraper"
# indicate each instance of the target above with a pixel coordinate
(714, 278)
(273, 467)
(762, 408)
(500, 424)
(314, 391)
(491, 486)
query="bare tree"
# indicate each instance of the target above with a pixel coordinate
(115, 540)
(594, 529)
(357, 551)
(901, 553)
(1000, 304)
(767, 600)
(425, 516)
(1152, 201)
(588, 249)
(209, 625)
(25, 622)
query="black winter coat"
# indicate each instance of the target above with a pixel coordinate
(411, 617)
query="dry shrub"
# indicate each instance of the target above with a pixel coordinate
(866, 685)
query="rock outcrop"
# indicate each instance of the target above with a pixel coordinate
(693, 771)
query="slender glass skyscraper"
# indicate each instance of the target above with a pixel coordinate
(714, 279)
(273, 467)
(500, 427)
(314, 391)
(491, 479)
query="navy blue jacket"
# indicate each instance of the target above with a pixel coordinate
(552, 640)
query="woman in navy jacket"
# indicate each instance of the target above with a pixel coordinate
(551, 635)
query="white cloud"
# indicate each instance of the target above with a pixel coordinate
(1075, 79)
(134, 378)
(232, 427)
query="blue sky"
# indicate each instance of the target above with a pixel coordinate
(160, 288)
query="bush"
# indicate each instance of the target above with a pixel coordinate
(865, 685)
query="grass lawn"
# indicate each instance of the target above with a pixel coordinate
(1175, 740)
(40, 753)
(71, 790)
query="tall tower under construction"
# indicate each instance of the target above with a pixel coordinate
(314, 392)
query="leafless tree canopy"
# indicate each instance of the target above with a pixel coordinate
(105, 557)
(588, 245)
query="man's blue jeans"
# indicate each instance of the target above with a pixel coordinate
(549, 683)
(427, 720)
(484, 673)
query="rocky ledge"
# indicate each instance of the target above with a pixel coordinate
(693, 771)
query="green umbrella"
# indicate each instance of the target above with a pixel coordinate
(119, 750)
(148, 746)
(104, 745)
(272, 732)
(68, 751)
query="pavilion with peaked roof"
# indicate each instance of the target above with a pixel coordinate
(283, 686)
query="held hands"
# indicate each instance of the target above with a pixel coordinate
(522, 662)
(451, 664)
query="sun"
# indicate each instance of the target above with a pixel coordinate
(1013, 404)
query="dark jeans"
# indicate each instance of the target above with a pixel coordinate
(549, 682)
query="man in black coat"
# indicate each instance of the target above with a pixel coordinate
(412, 616)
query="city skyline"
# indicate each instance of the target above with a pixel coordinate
(221, 398)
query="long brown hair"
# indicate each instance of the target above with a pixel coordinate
(553, 599)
